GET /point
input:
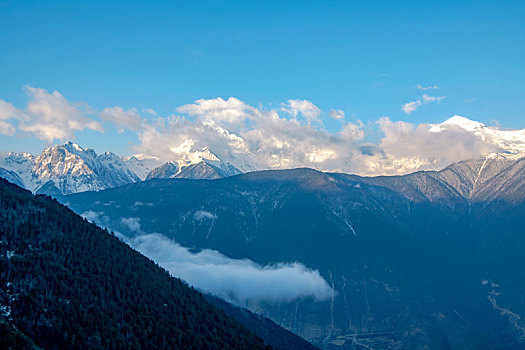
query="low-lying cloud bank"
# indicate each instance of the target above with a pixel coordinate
(235, 280)
(232, 279)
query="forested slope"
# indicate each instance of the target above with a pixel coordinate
(67, 284)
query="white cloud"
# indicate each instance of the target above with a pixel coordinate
(231, 110)
(8, 115)
(8, 111)
(96, 216)
(429, 99)
(302, 107)
(204, 215)
(49, 116)
(407, 147)
(6, 128)
(233, 279)
(129, 119)
(411, 106)
(271, 141)
(133, 224)
(425, 99)
(52, 117)
(149, 111)
(262, 138)
(424, 88)
(337, 114)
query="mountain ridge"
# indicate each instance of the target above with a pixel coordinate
(396, 248)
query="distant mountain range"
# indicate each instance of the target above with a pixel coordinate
(69, 168)
(432, 259)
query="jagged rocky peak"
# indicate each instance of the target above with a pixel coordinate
(141, 164)
(61, 160)
(68, 168)
(165, 171)
(195, 164)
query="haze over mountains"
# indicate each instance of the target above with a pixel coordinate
(70, 168)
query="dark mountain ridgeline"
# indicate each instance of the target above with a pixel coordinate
(427, 259)
(67, 284)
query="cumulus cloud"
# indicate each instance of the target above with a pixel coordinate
(129, 119)
(52, 117)
(302, 107)
(231, 110)
(49, 116)
(247, 136)
(337, 114)
(233, 279)
(256, 138)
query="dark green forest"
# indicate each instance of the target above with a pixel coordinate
(67, 284)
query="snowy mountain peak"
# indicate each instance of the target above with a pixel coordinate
(68, 168)
(458, 121)
(202, 155)
(504, 141)
(72, 145)
(141, 164)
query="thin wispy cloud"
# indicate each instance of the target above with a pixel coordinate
(429, 99)
(430, 87)
(410, 107)
(124, 119)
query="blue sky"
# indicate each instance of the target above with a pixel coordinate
(363, 57)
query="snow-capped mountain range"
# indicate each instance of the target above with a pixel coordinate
(202, 164)
(69, 168)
